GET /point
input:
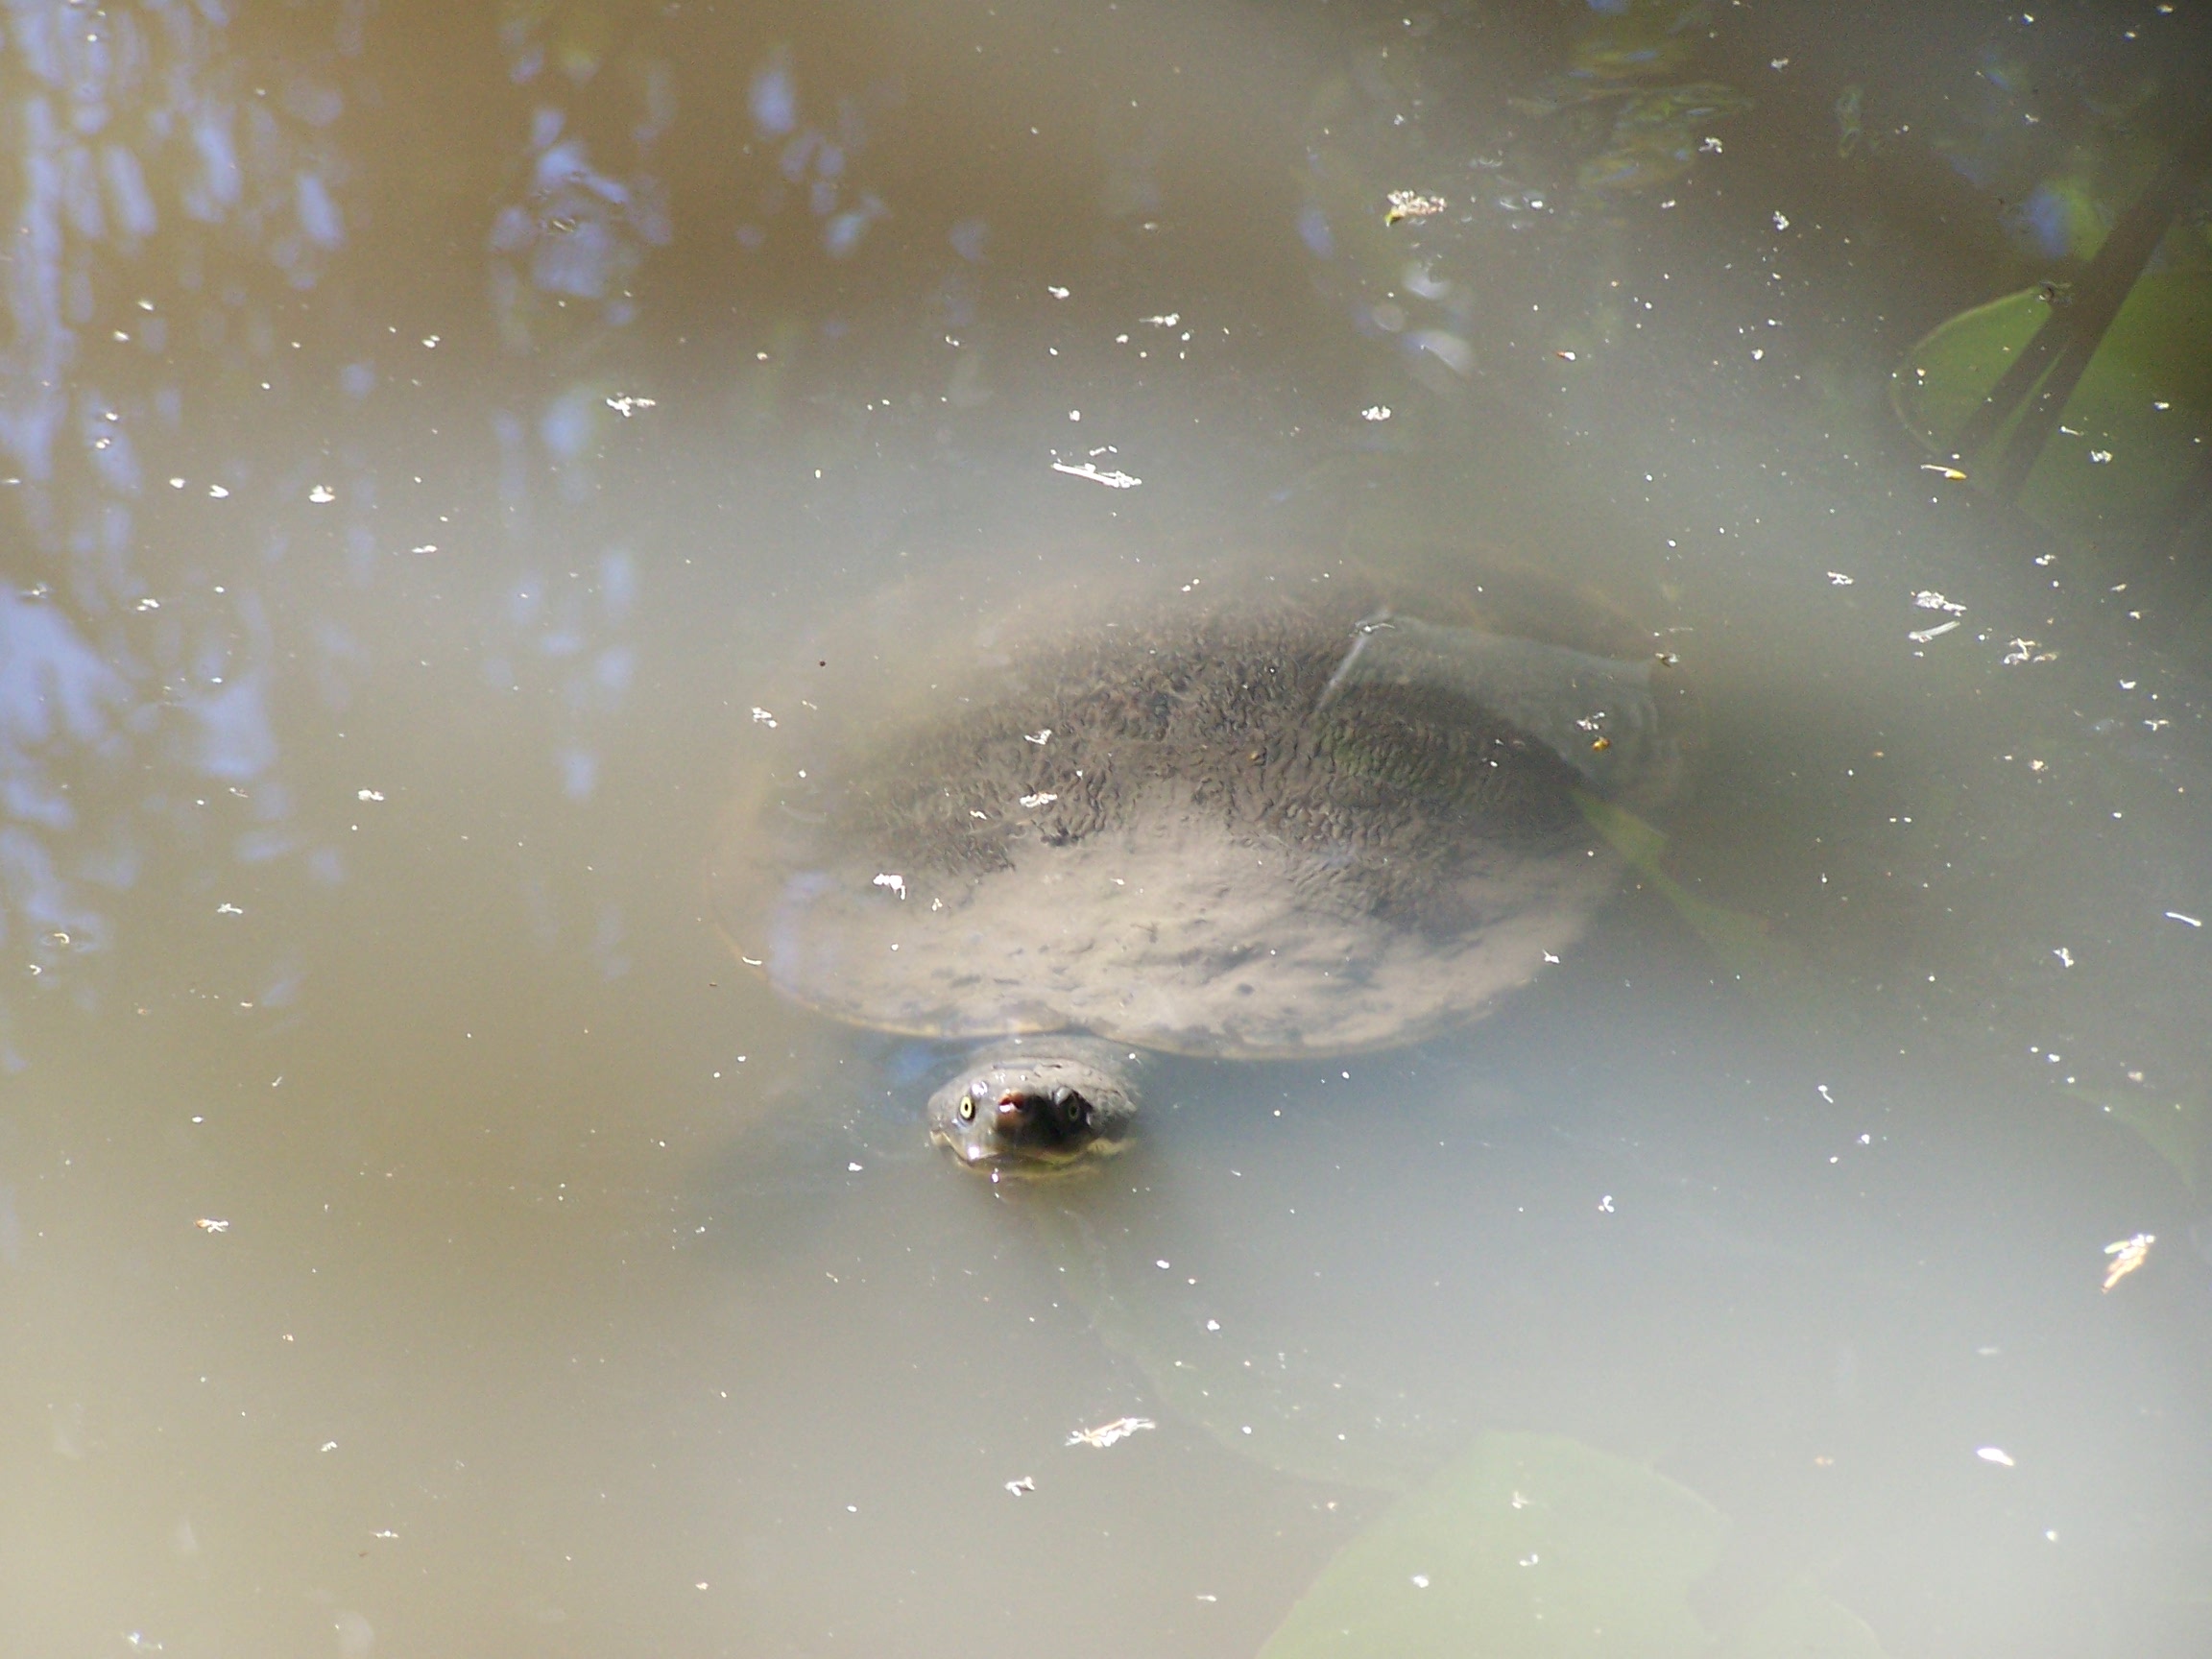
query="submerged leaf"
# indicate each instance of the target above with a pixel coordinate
(2129, 444)
(1538, 1545)
(1744, 943)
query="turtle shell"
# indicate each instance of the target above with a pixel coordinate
(1280, 825)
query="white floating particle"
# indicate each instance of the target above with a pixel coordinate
(1107, 1433)
(1043, 798)
(176, 483)
(368, 794)
(2065, 960)
(895, 883)
(1041, 736)
(1921, 635)
(1376, 412)
(1836, 579)
(1056, 291)
(1996, 1454)
(218, 491)
(1023, 1484)
(2127, 1255)
(1088, 469)
(1420, 1580)
(209, 1224)
(1781, 221)
(321, 494)
(1167, 320)
(762, 717)
(2191, 920)
(851, 1169)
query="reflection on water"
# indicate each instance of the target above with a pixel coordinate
(434, 450)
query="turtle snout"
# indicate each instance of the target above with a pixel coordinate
(1029, 1116)
(1034, 1114)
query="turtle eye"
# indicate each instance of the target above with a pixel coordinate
(967, 1108)
(1072, 1107)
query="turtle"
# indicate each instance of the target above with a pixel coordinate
(1265, 820)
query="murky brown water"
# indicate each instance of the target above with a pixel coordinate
(435, 449)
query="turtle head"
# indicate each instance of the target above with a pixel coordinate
(1037, 1106)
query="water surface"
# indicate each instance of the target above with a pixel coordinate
(436, 449)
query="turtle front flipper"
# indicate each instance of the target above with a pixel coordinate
(1614, 721)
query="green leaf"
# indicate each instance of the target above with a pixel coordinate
(1744, 943)
(2134, 434)
(1537, 1547)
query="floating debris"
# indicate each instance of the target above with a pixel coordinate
(1043, 798)
(209, 1224)
(2190, 921)
(1019, 1487)
(1041, 736)
(2127, 1255)
(627, 406)
(1927, 599)
(1836, 579)
(1996, 1454)
(762, 717)
(1089, 470)
(1921, 635)
(321, 494)
(1106, 1433)
(1412, 204)
(895, 883)
(1941, 470)
(1376, 412)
